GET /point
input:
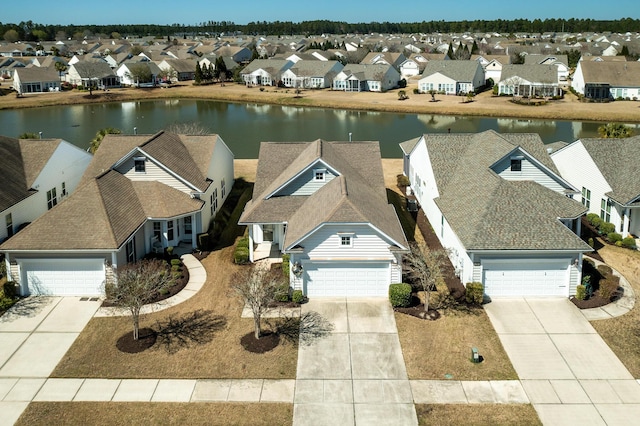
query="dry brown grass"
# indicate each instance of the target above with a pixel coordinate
(245, 169)
(432, 349)
(622, 334)
(477, 415)
(94, 353)
(150, 413)
(483, 105)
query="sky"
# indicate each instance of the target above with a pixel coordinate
(165, 12)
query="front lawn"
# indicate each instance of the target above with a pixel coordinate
(154, 413)
(204, 345)
(622, 334)
(477, 414)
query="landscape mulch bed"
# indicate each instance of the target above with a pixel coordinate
(418, 312)
(267, 341)
(594, 301)
(146, 339)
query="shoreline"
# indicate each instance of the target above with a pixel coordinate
(483, 105)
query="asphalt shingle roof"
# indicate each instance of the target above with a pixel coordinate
(456, 70)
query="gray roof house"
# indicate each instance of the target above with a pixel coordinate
(499, 204)
(265, 72)
(607, 79)
(529, 80)
(366, 78)
(139, 194)
(97, 74)
(452, 77)
(311, 74)
(35, 80)
(325, 204)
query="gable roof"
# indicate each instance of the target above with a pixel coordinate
(37, 74)
(617, 161)
(456, 70)
(21, 161)
(491, 213)
(90, 69)
(612, 73)
(356, 195)
(535, 73)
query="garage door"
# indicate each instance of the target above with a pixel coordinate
(526, 279)
(348, 279)
(64, 277)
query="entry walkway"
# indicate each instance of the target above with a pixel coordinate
(356, 374)
(568, 372)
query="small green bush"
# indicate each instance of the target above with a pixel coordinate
(608, 287)
(400, 295)
(243, 243)
(605, 228)
(590, 242)
(594, 219)
(286, 265)
(175, 262)
(241, 255)
(175, 268)
(581, 292)
(297, 296)
(604, 270)
(629, 242)
(282, 292)
(474, 293)
(614, 237)
(618, 243)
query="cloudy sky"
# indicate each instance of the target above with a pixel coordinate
(242, 12)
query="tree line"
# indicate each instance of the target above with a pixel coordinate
(30, 31)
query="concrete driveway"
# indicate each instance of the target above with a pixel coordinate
(355, 374)
(569, 373)
(34, 336)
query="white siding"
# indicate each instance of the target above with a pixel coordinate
(530, 172)
(221, 167)
(305, 184)
(324, 243)
(152, 172)
(437, 82)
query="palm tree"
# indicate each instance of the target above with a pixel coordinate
(60, 67)
(615, 130)
(95, 143)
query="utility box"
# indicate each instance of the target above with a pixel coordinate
(475, 356)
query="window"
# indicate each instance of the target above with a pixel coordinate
(586, 197)
(64, 189)
(52, 198)
(319, 174)
(157, 231)
(214, 202)
(605, 210)
(187, 225)
(346, 240)
(170, 230)
(223, 189)
(139, 164)
(9, 221)
(516, 164)
(131, 251)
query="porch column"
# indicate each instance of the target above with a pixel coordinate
(194, 232)
(250, 227)
(625, 222)
(578, 227)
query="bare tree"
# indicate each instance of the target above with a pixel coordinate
(425, 267)
(137, 284)
(192, 128)
(257, 289)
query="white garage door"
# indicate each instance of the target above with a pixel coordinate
(526, 279)
(348, 279)
(64, 277)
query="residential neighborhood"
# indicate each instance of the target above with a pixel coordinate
(485, 276)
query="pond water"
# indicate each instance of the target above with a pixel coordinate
(244, 125)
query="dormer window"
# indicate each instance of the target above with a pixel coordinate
(346, 239)
(319, 175)
(516, 164)
(139, 164)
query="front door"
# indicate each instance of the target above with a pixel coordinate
(187, 226)
(267, 232)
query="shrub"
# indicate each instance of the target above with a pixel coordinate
(175, 268)
(594, 220)
(243, 243)
(614, 237)
(402, 180)
(10, 289)
(474, 293)
(606, 228)
(605, 270)
(241, 255)
(629, 242)
(297, 296)
(400, 295)
(608, 287)
(175, 262)
(581, 292)
(286, 265)
(618, 243)
(416, 91)
(282, 292)
(590, 242)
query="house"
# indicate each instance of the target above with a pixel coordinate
(499, 206)
(386, 58)
(129, 71)
(180, 69)
(529, 81)
(492, 65)
(35, 80)
(363, 78)
(92, 73)
(311, 74)
(604, 80)
(325, 204)
(560, 61)
(452, 77)
(37, 175)
(265, 72)
(605, 170)
(139, 194)
(239, 54)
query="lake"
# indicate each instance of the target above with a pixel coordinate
(244, 126)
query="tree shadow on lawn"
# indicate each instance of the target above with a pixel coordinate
(198, 327)
(304, 330)
(27, 307)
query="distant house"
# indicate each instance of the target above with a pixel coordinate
(265, 72)
(239, 54)
(492, 65)
(560, 61)
(38, 174)
(386, 58)
(451, 77)
(127, 72)
(311, 74)
(36, 80)
(529, 80)
(366, 78)
(180, 69)
(603, 80)
(90, 73)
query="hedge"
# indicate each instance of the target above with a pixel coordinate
(474, 293)
(400, 295)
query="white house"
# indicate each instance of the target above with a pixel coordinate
(607, 79)
(265, 72)
(561, 62)
(35, 80)
(605, 171)
(127, 72)
(451, 77)
(529, 80)
(499, 205)
(366, 78)
(325, 204)
(311, 74)
(38, 174)
(140, 194)
(98, 74)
